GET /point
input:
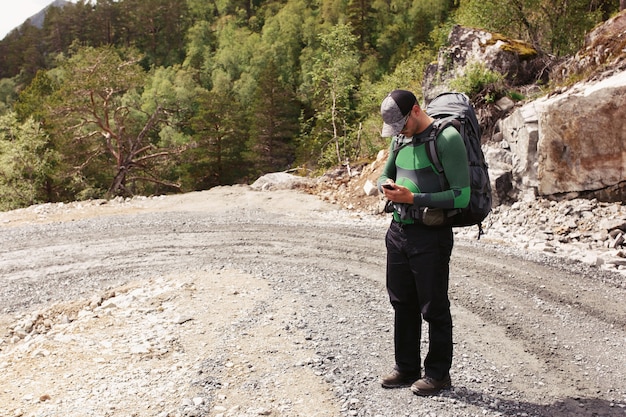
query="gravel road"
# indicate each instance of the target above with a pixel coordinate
(233, 302)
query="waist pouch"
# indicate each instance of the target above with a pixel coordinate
(427, 216)
(434, 217)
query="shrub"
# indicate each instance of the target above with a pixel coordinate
(478, 80)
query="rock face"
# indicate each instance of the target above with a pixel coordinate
(572, 143)
(518, 61)
(567, 145)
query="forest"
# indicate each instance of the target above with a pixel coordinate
(144, 97)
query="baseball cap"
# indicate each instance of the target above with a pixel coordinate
(395, 110)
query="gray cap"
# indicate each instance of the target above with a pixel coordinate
(395, 110)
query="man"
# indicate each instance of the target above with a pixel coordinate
(419, 240)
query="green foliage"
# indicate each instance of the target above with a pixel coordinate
(113, 131)
(200, 48)
(157, 28)
(174, 90)
(333, 80)
(273, 123)
(8, 94)
(215, 155)
(404, 25)
(284, 37)
(477, 79)
(237, 47)
(31, 101)
(26, 163)
(516, 96)
(139, 96)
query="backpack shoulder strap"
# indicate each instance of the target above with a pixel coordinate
(431, 147)
(431, 151)
(438, 126)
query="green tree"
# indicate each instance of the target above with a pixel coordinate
(284, 37)
(215, 156)
(105, 22)
(26, 163)
(333, 82)
(97, 113)
(566, 23)
(201, 48)
(31, 101)
(8, 94)
(74, 22)
(157, 28)
(175, 90)
(332, 12)
(234, 58)
(274, 123)
(361, 17)
(402, 25)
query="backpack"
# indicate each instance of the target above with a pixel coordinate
(455, 109)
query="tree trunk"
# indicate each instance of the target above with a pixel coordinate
(118, 182)
(622, 4)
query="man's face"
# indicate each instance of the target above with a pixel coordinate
(410, 126)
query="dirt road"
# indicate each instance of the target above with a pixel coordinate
(232, 302)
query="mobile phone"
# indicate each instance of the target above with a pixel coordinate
(388, 186)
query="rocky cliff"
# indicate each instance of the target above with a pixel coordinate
(568, 144)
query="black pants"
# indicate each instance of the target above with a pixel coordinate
(418, 266)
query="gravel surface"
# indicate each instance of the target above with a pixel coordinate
(233, 302)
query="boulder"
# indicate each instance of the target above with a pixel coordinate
(571, 144)
(582, 139)
(280, 181)
(518, 61)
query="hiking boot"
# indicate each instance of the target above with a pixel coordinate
(397, 379)
(430, 386)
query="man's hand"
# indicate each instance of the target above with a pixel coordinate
(398, 193)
